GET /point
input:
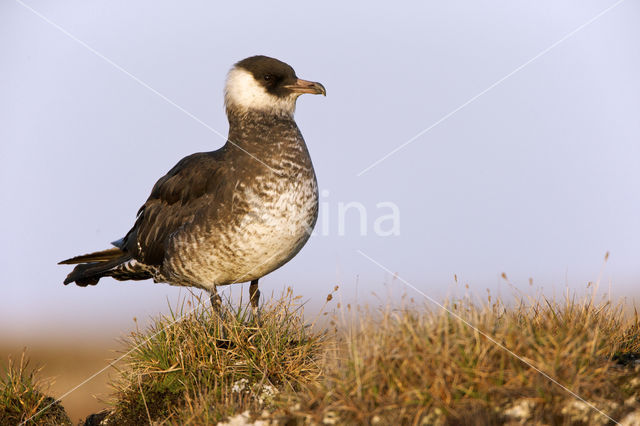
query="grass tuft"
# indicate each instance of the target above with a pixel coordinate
(22, 397)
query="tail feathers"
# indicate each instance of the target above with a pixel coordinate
(94, 266)
(107, 263)
(99, 256)
(90, 273)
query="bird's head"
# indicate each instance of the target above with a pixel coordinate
(267, 85)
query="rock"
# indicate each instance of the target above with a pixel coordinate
(244, 419)
(631, 419)
(97, 419)
(581, 412)
(521, 411)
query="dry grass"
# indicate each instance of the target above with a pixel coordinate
(407, 365)
(410, 365)
(417, 364)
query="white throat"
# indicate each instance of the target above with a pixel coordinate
(243, 93)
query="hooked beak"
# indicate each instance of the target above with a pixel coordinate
(304, 86)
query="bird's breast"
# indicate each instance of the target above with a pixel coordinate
(270, 220)
(275, 219)
(269, 214)
(279, 212)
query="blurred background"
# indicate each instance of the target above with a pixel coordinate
(537, 177)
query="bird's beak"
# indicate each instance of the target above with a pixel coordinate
(304, 86)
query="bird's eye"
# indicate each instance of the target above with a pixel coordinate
(268, 77)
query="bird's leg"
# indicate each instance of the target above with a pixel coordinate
(254, 295)
(216, 305)
(216, 301)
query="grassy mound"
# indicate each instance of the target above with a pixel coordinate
(574, 362)
(193, 368)
(22, 398)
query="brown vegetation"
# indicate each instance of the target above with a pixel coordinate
(569, 362)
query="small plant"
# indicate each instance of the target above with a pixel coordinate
(22, 397)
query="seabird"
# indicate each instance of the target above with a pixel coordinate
(231, 215)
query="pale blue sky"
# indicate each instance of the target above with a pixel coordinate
(539, 177)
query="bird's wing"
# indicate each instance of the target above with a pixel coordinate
(190, 189)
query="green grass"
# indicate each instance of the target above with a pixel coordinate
(190, 367)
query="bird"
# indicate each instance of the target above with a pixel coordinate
(228, 216)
